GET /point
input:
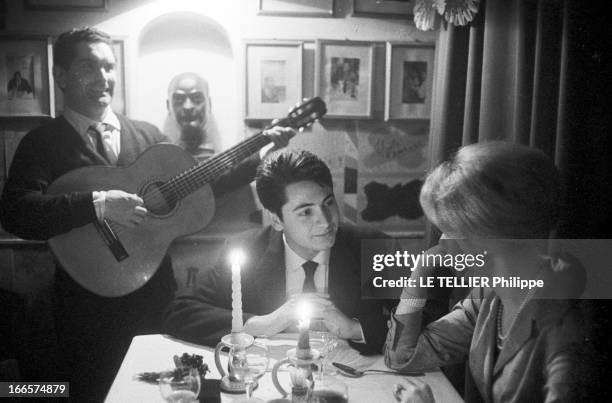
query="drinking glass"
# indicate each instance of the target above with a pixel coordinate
(325, 342)
(180, 385)
(328, 389)
(248, 364)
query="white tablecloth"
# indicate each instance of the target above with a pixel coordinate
(152, 353)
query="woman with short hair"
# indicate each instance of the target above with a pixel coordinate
(519, 343)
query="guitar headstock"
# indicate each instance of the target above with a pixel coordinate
(306, 113)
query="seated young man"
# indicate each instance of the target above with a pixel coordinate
(305, 253)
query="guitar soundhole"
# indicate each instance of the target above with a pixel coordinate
(158, 199)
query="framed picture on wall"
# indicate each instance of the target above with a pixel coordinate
(25, 75)
(297, 8)
(63, 5)
(273, 78)
(397, 8)
(408, 80)
(390, 163)
(119, 103)
(343, 77)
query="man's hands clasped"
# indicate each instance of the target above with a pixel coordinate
(288, 315)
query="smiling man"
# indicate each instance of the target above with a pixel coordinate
(93, 332)
(305, 254)
(189, 105)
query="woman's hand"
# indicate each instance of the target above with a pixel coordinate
(413, 391)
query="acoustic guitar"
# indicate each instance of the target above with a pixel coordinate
(112, 260)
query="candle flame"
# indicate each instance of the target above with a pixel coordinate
(304, 310)
(237, 257)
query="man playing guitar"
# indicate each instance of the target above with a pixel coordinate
(93, 331)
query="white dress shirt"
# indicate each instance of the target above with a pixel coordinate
(111, 136)
(81, 123)
(294, 273)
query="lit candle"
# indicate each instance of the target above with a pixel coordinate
(304, 340)
(304, 327)
(236, 259)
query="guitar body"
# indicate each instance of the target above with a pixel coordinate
(83, 252)
(111, 260)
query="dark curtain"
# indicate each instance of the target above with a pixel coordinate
(534, 72)
(537, 72)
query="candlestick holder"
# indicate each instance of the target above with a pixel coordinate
(229, 383)
(303, 359)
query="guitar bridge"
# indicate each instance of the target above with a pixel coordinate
(111, 240)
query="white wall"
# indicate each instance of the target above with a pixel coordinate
(148, 74)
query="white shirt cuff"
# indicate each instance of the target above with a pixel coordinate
(99, 202)
(362, 338)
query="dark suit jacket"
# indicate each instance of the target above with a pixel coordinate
(204, 315)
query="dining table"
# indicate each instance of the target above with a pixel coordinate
(155, 352)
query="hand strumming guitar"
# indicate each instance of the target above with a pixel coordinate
(121, 207)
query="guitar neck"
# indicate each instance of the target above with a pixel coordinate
(208, 171)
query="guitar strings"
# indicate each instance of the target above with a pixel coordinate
(184, 183)
(188, 181)
(220, 163)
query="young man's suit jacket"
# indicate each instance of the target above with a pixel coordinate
(203, 315)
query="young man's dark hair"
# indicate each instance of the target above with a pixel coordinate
(64, 47)
(283, 168)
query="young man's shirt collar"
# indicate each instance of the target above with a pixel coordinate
(295, 273)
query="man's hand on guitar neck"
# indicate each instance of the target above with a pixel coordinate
(121, 207)
(279, 136)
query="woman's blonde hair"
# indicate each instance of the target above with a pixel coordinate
(494, 190)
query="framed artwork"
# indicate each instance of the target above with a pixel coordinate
(119, 103)
(343, 77)
(398, 8)
(25, 75)
(63, 5)
(273, 78)
(408, 80)
(297, 8)
(389, 165)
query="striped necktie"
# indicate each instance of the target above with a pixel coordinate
(101, 134)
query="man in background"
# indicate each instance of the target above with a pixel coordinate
(189, 105)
